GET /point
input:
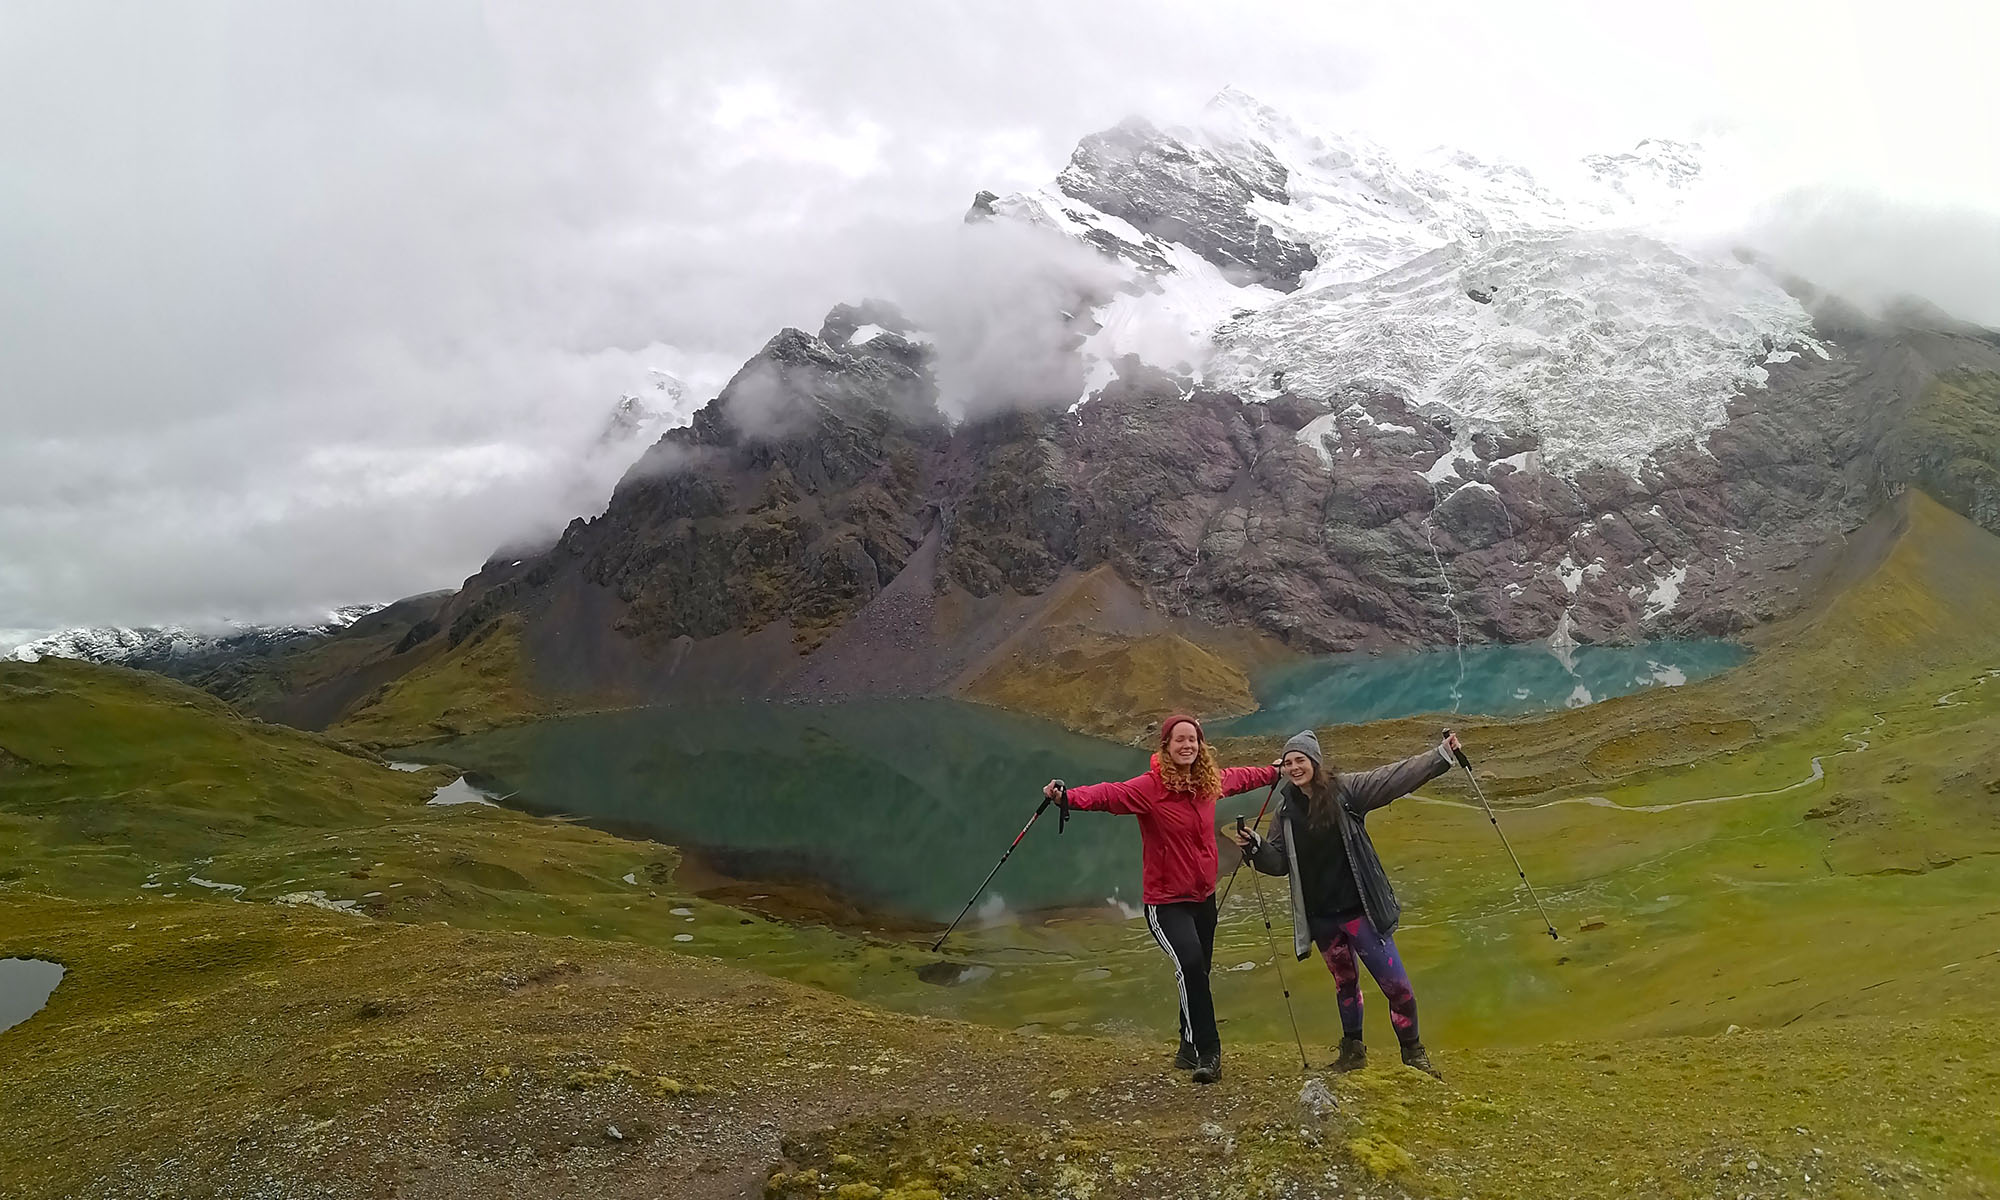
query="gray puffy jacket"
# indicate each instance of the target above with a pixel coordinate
(1359, 793)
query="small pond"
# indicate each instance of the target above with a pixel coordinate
(25, 986)
(1496, 681)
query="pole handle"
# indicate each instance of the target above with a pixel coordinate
(1459, 754)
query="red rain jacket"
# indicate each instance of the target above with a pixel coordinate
(1176, 829)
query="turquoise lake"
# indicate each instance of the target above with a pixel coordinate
(901, 807)
(1497, 681)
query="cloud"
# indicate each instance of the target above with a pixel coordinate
(310, 304)
(1005, 305)
(1874, 251)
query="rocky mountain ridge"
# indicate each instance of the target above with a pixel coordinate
(863, 545)
(162, 648)
(1584, 433)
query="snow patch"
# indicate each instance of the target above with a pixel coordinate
(865, 334)
(1323, 435)
(1168, 320)
(1562, 643)
(212, 885)
(1665, 594)
(1446, 467)
(319, 899)
(1096, 378)
(458, 791)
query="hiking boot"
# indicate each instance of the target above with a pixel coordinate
(1185, 1059)
(1353, 1055)
(1414, 1056)
(1208, 1068)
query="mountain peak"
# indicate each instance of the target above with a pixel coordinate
(1171, 188)
(1261, 249)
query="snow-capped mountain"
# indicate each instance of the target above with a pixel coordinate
(1344, 398)
(1272, 258)
(638, 420)
(152, 646)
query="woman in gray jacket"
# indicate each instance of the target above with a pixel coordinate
(1341, 899)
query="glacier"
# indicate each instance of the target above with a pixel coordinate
(1582, 309)
(118, 644)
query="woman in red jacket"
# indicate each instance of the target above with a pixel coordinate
(1175, 804)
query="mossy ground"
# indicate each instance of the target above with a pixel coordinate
(1088, 664)
(478, 684)
(482, 1028)
(202, 1049)
(1098, 684)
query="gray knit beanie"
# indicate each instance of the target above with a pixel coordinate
(1306, 743)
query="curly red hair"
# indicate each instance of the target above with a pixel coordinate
(1201, 778)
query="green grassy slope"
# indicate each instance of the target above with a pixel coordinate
(1921, 612)
(479, 1029)
(475, 685)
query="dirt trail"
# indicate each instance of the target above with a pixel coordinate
(1817, 773)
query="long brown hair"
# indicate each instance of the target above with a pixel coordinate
(1322, 792)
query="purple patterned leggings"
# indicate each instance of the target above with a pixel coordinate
(1357, 938)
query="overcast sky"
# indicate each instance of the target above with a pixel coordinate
(305, 305)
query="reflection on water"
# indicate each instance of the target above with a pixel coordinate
(1347, 689)
(951, 974)
(900, 806)
(25, 986)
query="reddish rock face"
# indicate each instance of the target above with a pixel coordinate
(807, 510)
(821, 529)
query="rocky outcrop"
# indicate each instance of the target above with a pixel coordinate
(820, 530)
(795, 496)
(1171, 189)
(1493, 414)
(1329, 528)
(1949, 444)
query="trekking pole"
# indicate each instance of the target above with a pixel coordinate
(1061, 791)
(1271, 937)
(1465, 762)
(1256, 824)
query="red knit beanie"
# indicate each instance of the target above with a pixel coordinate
(1167, 728)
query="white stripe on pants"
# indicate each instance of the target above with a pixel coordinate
(1180, 976)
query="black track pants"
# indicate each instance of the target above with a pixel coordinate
(1186, 931)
